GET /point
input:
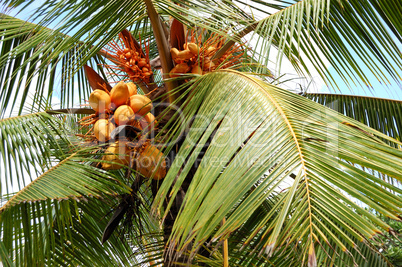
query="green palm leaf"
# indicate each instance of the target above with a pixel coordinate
(72, 177)
(30, 143)
(67, 233)
(291, 135)
(336, 30)
(39, 53)
(283, 171)
(380, 114)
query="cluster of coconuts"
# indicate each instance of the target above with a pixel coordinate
(195, 59)
(135, 64)
(191, 60)
(124, 106)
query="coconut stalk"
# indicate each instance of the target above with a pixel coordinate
(163, 48)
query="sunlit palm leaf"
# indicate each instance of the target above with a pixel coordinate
(241, 255)
(291, 135)
(30, 69)
(381, 114)
(72, 177)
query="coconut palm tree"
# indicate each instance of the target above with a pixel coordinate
(256, 175)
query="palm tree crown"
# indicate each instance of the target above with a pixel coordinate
(173, 142)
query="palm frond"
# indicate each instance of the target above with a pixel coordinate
(5, 259)
(72, 177)
(352, 37)
(55, 232)
(32, 55)
(380, 114)
(261, 129)
(290, 255)
(28, 146)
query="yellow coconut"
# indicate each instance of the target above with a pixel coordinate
(208, 64)
(103, 129)
(209, 50)
(117, 153)
(99, 100)
(185, 54)
(179, 68)
(142, 62)
(151, 163)
(119, 94)
(123, 114)
(196, 70)
(174, 52)
(132, 88)
(140, 104)
(193, 48)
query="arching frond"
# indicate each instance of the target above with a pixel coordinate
(73, 177)
(28, 146)
(253, 128)
(68, 232)
(32, 56)
(354, 37)
(380, 114)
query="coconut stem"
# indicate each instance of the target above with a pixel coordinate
(163, 48)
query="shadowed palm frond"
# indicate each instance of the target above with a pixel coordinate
(378, 113)
(30, 143)
(61, 232)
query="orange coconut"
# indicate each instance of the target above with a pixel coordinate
(119, 94)
(117, 153)
(209, 50)
(132, 88)
(150, 119)
(208, 64)
(151, 163)
(123, 114)
(103, 129)
(99, 100)
(140, 104)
